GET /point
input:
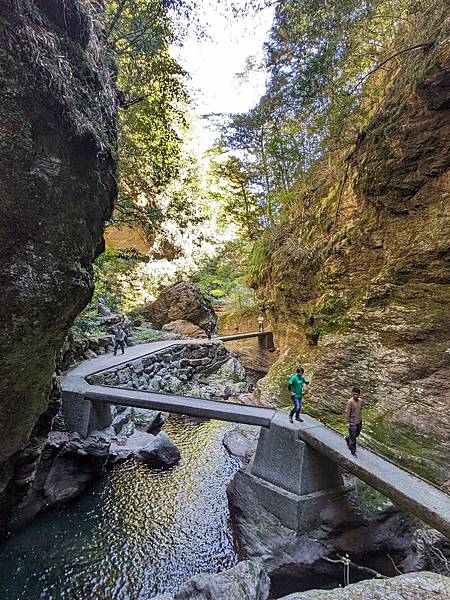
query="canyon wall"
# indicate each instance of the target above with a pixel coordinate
(358, 279)
(57, 180)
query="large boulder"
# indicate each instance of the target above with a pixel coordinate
(246, 581)
(241, 441)
(57, 181)
(184, 328)
(160, 452)
(67, 463)
(181, 301)
(412, 586)
(298, 560)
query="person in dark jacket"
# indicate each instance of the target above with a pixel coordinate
(119, 340)
(354, 419)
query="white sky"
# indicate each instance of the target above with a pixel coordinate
(213, 62)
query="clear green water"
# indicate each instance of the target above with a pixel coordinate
(135, 533)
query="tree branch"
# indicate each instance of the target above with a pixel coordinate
(383, 62)
(367, 570)
(116, 17)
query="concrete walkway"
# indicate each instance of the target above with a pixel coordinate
(74, 382)
(414, 494)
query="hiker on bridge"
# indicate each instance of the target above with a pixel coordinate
(119, 340)
(354, 419)
(261, 323)
(295, 386)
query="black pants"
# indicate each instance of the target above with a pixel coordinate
(119, 344)
(353, 432)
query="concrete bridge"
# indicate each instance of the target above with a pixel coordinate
(297, 468)
(265, 339)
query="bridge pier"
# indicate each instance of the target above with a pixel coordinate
(293, 481)
(84, 416)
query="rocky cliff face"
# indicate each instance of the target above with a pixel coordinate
(360, 280)
(57, 176)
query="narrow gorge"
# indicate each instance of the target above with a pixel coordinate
(173, 253)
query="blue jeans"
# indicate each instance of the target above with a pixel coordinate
(297, 405)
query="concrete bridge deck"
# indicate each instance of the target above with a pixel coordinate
(416, 495)
(405, 489)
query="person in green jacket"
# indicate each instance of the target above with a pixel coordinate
(295, 386)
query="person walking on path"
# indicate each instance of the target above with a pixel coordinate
(295, 386)
(261, 323)
(209, 329)
(354, 419)
(119, 340)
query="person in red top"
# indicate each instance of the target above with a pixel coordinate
(354, 419)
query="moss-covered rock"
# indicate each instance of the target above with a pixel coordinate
(362, 279)
(57, 176)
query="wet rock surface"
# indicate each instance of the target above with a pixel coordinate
(160, 452)
(297, 561)
(412, 586)
(241, 441)
(246, 581)
(181, 301)
(67, 463)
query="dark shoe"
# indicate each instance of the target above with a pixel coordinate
(347, 440)
(299, 419)
(354, 453)
(291, 420)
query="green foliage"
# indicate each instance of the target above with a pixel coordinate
(318, 55)
(231, 180)
(220, 275)
(153, 118)
(145, 334)
(113, 274)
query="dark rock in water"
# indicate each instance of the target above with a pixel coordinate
(246, 581)
(148, 420)
(160, 452)
(68, 462)
(57, 181)
(181, 301)
(430, 551)
(412, 586)
(295, 560)
(121, 419)
(241, 441)
(122, 448)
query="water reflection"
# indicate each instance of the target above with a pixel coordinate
(136, 533)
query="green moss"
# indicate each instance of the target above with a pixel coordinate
(405, 446)
(145, 334)
(367, 497)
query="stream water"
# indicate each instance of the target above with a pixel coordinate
(135, 533)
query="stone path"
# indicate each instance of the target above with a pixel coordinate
(416, 495)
